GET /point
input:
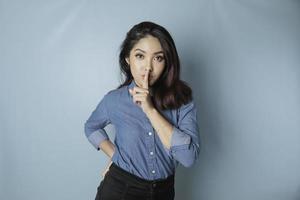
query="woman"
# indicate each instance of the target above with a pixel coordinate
(154, 117)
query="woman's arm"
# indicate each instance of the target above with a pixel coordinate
(95, 124)
(182, 142)
(163, 128)
(107, 147)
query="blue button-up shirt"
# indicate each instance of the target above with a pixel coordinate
(138, 148)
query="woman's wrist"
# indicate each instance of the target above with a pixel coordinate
(110, 157)
(112, 151)
(108, 148)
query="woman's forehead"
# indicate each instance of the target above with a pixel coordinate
(149, 45)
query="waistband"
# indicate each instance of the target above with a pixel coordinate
(136, 180)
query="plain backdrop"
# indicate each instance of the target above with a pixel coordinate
(241, 58)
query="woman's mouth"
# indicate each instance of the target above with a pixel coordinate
(150, 77)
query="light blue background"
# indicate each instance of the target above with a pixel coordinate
(58, 59)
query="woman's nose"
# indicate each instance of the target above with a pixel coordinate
(148, 67)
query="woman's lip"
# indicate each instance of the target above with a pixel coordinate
(149, 76)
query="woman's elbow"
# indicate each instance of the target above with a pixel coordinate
(189, 161)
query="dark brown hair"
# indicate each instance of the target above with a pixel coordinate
(169, 92)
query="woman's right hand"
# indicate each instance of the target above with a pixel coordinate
(107, 168)
(109, 149)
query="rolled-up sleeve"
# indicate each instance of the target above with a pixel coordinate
(185, 141)
(94, 126)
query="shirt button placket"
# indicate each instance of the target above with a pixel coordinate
(150, 133)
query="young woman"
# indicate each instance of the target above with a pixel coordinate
(154, 117)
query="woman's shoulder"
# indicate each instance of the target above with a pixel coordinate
(115, 94)
(187, 107)
(190, 103)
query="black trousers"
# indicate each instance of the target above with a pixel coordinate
(119, 184)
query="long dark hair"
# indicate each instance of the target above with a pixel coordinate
(169, 92)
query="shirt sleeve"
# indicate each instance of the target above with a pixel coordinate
(185, 141)
(94, 126)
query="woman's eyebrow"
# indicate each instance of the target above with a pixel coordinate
(145, 51)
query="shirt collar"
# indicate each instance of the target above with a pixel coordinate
(132, 84)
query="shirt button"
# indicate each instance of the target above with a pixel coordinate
(150, 133)
(153, 171)
(151, 153)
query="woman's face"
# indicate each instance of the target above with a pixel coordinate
(147, 54)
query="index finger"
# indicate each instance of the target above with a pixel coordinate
(146, 80)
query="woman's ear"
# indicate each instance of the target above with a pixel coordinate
(127, 60)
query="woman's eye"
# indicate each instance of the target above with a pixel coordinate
(160, 58)
(139, 56)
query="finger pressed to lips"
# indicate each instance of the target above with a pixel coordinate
(149, 77)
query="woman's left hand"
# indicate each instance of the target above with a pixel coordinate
(141, 95)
